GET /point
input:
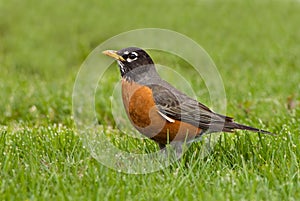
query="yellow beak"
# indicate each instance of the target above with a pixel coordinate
(113, 54)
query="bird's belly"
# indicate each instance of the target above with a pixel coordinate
(143, 114)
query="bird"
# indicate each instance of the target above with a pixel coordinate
(158, 110)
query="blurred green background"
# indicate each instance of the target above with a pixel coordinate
(255, 45)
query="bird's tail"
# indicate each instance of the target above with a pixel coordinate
(230, 126)
(249, 128)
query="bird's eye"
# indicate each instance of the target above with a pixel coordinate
(132, 56)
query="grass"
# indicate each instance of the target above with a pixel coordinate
(255, 46)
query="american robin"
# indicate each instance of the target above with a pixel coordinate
(158, 110)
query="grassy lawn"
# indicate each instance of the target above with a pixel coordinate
(255, 46)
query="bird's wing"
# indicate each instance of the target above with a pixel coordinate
(178, 106)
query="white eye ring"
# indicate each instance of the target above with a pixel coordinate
(132, 59)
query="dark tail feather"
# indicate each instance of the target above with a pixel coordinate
(248, 128)
(227, 124)
(230, 126)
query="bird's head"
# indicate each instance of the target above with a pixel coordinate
(133, 62)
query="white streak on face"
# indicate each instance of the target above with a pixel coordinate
(121, 66)
(130, 60)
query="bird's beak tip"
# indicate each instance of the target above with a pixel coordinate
(107, 52)
(113, 54)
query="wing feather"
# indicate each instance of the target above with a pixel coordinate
(176, 105)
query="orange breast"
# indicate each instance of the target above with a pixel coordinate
(143, 114)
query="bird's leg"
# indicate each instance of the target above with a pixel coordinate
(161, 146)
(179, 147)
